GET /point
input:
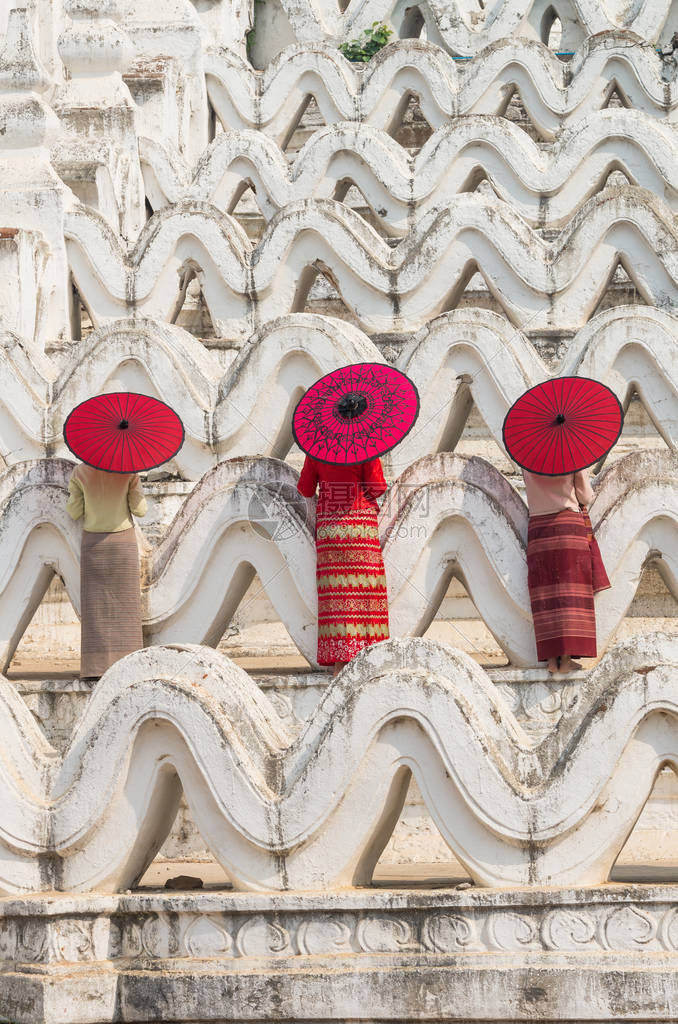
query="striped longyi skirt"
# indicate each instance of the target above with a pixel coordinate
(110, 600)
(352, 598)
(564, 571)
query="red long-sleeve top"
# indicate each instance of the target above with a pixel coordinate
(342, 488)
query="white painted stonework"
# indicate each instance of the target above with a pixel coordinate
(463, 28)
(445, 515)
(545, 184)
(203, 200)
(315, 812)
(538, 283)
(246, 408)
(201, 955)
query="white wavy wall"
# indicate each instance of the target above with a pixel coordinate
(473, 206)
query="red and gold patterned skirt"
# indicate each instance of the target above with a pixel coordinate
(564, 571)
(352, 599)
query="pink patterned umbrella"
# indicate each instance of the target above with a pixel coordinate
(355, 414)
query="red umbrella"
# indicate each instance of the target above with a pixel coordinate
(123, 432)
(355, 413)
(562, 425)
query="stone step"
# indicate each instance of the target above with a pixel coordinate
(358, 955)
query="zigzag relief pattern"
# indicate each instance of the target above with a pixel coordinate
(475, 354)
(545, 186)
(539, 284)
(316, 812)
(246, 410)
(245, 516)
(553, 93)
(463, 28)
(445, 516)
(451, 516)
(462, 356)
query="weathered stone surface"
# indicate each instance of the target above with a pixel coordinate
(223, 412)
(462, 27)
(598, 955)
(479, 223)
(445, 515)
(471, 356)
(552, 92)
(538, 701)
(274, 810)
(545, 184)
(536, 282)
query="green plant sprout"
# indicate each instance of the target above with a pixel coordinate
(373, 39)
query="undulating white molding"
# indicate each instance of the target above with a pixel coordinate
(467, 354)
(539, 284)
(553, 92)
(545, 185)
(315, 813)
(446, 515)
(245, 410)
(462, 28)
(475, 354)
(105, 104)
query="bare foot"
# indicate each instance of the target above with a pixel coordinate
(552, 665)
(567, 665)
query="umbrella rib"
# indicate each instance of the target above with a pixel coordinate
(521, 432)
(102, 444)
(150, 460)
(548, 394)
(140, 439)
(107, 445)
(527, 433)
(534, 409)
(124, 443)
(584, 394)
(597, 431)
(98, 418)
(587, 442)
(566, 440)
(590, 409)
(591, 401)
(540, 440)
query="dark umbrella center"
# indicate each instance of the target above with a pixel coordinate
(560, 418)
(351, 405)
(123, 425)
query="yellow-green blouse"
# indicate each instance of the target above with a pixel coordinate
(107, 500)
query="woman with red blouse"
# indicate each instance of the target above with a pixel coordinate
(352, 599)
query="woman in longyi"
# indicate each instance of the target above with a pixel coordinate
(352, 599)
(110, 595)
(564, 568)
(554, 432)
(344, 423)
(116, 435)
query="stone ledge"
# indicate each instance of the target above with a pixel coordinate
(606, 953)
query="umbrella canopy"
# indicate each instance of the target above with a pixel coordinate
(562, 425)
(355, 414)
(123, 432)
